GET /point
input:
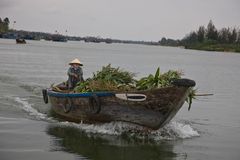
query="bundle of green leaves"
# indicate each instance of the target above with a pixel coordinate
(116, 79)
(158, 80)
(114, 75)
(108, 79)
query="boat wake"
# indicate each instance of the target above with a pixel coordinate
(173, 130)
(27, 107)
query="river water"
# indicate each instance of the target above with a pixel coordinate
(210, 130)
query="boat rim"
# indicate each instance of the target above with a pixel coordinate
(52, 93)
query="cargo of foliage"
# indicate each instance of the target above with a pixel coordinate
(116, 79)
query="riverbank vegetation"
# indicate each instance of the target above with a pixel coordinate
(209, 39)
(4, 25)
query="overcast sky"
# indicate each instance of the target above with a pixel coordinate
(121, 19)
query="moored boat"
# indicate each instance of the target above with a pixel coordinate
(150, 108)
(59, 38)
(20, 41)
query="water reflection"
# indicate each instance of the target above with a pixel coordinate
(104, 147)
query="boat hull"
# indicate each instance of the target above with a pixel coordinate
(159, 107)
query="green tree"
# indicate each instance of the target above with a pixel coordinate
(191, 38)
(201, 34)
(238, 37)
(4, 25)
(1, 25)
(223, 36)
(212, 33)
(233, 36)
(6, 21)
(163, 41)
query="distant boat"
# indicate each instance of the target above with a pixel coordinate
(150, 108)
(59, 38)
(108, 41)
(20, 41)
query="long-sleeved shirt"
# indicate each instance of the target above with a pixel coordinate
(72, 80)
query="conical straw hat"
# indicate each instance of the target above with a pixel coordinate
(75, 61)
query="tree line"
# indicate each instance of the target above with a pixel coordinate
(206, 35)
(209, 39)
(4, 25)
(6, 32)
(212, 35)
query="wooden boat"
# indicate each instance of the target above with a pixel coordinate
(20, 41)
(150, 108)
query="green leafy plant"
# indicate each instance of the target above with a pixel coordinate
(157, 80)
(114, 75)
(82, 87)
(191, 96)
(108, 79)
(116, 79)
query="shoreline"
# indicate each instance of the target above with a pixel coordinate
(215, 47)
(233, 48)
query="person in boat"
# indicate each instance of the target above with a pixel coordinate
(75, 73)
